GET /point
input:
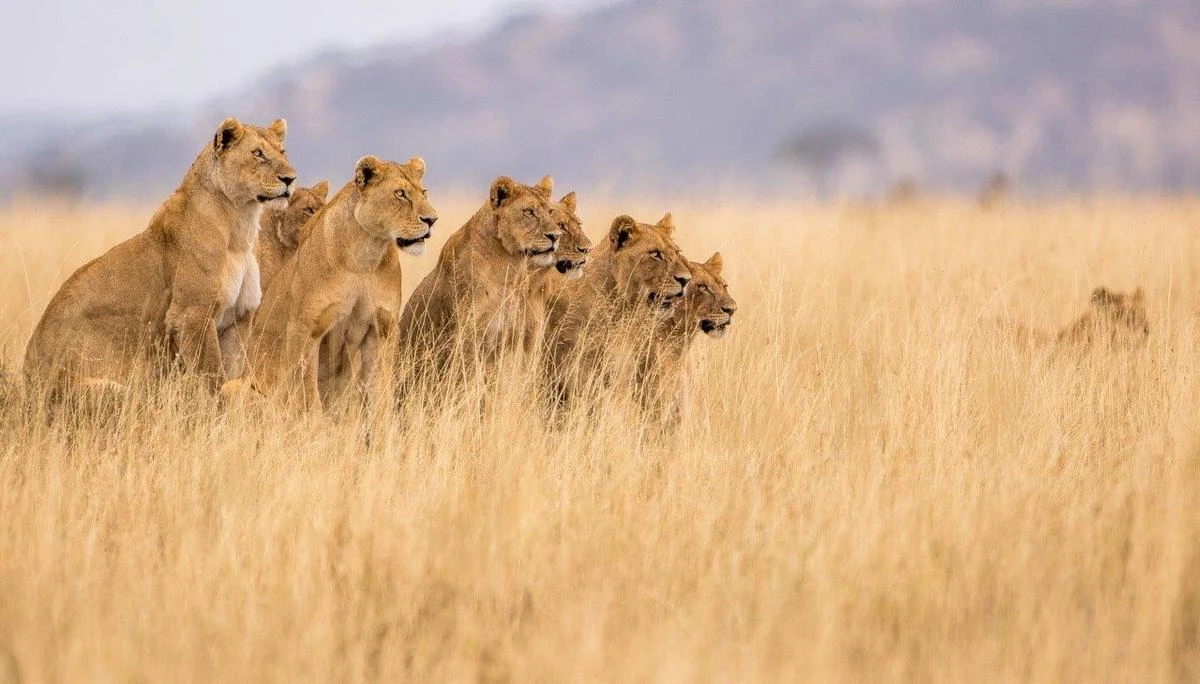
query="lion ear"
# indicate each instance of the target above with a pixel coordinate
(715, 263)
(417, 166)
(623, 228)
(545, 188)
(229, 132)
(503, 189)
(321, 190)
(366, 170)
(568, 201)
(279, 128)
(667, 224)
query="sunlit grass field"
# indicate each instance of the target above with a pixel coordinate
(867, 483)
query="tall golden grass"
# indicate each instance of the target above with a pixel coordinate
(866, 484)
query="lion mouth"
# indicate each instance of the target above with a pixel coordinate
(271, 198)
(714, 328)
(565, 266)
(539, 252)
(404, 243)
(662, 302)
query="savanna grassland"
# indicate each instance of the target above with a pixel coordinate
(868, 482)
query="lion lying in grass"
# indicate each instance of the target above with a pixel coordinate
(172, 292)
(1114, 318)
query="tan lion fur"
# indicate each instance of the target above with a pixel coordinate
(706, 308)
(279, 232)
(173, 291)
(333, 296)
(476, 300)
(571, 257)
(634, 279)
(278, 237)
(1114, 318)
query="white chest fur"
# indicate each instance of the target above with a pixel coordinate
(241, 289)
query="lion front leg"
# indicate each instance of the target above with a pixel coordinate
(302, 361)
(233, 347)
(368, 364)
(309, 378)
(192, 332)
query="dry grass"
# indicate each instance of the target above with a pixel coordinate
(867, 484)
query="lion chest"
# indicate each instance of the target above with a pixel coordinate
(240, 289)
(505, 321)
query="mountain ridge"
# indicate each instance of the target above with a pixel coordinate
(669, 95)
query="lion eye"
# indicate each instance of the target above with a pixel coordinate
(703, 288)
(530, 212)
(310, 210)
(657, 255)
(259, 155)
(402, 194)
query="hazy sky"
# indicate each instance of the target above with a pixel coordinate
(93, 56)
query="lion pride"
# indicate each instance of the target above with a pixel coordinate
(173, 291)
(322, 319)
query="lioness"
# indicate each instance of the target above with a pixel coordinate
(573, 247)
(634, 280)
(476, 300)
(1114, 318)
(279, 233)
(326, 301)
(278, 237)
(570, 257)
(178, 286)
(708, 308)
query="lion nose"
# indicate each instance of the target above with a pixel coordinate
(429, 220)
(287, 180)
(552, 237)
(683, 280)
(583, 250)
(729, 309)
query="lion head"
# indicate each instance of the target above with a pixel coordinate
(707, 305)
(574, 245)
(250, 165)
(646, 262)
(393, 203)
(303, 205)
(524, 221)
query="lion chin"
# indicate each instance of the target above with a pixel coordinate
(542, 260)
(415, 248)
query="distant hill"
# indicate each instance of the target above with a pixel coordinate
(691, 94)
